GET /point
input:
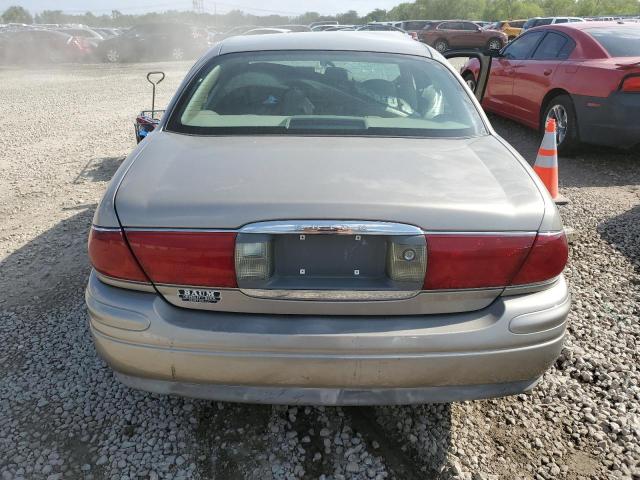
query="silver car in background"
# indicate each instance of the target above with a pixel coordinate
(327, 220)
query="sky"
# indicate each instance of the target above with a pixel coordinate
(283, 7)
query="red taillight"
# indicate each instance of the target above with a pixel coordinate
(631, 84)
(474, 261)
(484, 261)
(110, 255)
(547, 259)
(203, 259)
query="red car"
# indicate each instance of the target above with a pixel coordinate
(584, 75)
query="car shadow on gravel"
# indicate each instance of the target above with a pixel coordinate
(590, 166)
(622, 233)
(99, 169)
(46, 268)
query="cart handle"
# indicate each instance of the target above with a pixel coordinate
(153, 95)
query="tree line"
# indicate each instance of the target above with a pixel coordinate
(420, 9)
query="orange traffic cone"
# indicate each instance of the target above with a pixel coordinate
(546, 165)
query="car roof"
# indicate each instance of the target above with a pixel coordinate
(588, 25)
(583, 25)
(383, 42)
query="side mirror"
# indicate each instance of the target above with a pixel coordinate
(478, 29)
(494, 53)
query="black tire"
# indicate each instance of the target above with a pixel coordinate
(441, 45)
(562, 110)
(470, 80)
(112, 55)
(494, 43)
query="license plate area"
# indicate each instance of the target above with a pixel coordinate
(308, 257)
(332, 262)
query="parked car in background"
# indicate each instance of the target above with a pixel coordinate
(323, 23)
(451, 34)
(42, 46)
(322, 28)
(266, 31)
(482, 23)
(341, 28)
(239, 30)
(89, 37)
(155, 41)
(511, 28)
(107, 32)
(584, 75)
(413, 26)
(265, 250)
(379, 27)
(540, 21)
(294, 28)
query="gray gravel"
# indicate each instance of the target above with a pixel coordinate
(62, 414)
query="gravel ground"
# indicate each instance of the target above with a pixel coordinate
(63, 415)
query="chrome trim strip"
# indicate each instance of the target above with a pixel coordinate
(335, 227)
(181, 230)
(530, 288)
(424, 303)
(331, 295)
(551, 233)
(286, 228)
(416, 292)
(511, 233)
(126, 284)
(105, 229)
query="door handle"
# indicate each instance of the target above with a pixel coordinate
(548, 72)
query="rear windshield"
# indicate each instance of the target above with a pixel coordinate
(330, 93)
(618, 41)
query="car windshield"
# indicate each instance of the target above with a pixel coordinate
(618, 41)
(330, 93)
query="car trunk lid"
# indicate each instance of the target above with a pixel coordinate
(474, 184)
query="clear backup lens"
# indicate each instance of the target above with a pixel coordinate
(406, 263)
(254, 260)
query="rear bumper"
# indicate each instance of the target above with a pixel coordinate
(155, 346)
(611, 121)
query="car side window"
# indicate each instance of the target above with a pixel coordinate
(561, 20)
(567, 49)
(450, 26)
(550, 47)
(522, 46)
(519, 24)
(469, 26)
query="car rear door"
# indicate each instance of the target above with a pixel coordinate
(472, 35)
(453, 33)
(499, 94)
(533, 76)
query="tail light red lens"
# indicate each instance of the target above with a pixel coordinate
(547, 259)
(203, 259)
(631, 84)
(485, 261)
(110, 255)
(207, 259)
(474, 261)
